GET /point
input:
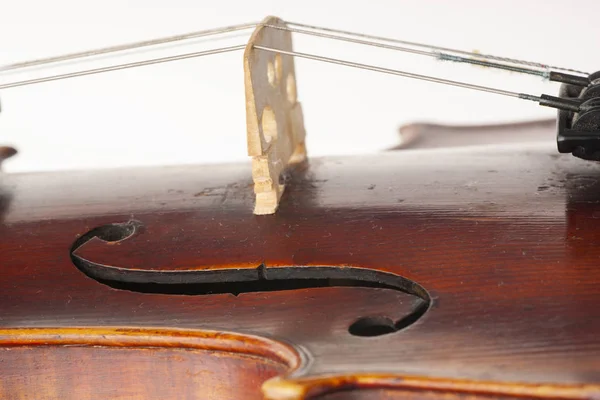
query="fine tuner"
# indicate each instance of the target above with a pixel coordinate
(275, 127)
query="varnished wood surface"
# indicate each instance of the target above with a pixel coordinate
(390, 394)
(504, 241)
(61, 372)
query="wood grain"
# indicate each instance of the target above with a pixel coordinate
(61, 372)
(505, 241)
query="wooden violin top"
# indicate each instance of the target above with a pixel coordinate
(471, 272)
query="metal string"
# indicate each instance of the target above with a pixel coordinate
(437, 48)
(127, 46)
(441, 53)
(122, 66)
(543, 72)
(396, 72)
(264, 48)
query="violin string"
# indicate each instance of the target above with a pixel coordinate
(280, 51)
(436, 48)
(122, 66)
(441, 53)
(399, 73)
(545, 73)
(433, 51)
(127, 46)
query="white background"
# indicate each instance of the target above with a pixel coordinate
(193, 111)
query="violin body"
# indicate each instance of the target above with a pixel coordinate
(429, 273)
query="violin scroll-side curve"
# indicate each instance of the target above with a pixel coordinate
(6, 151)
(429, 136)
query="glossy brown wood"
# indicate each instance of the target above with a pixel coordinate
(389, 394)
(63, 372)
(504, 241)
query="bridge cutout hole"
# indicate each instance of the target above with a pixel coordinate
(269, 125)
(290, 89)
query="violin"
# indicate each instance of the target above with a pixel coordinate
(459, 264)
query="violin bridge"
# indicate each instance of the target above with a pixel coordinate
(274, 120)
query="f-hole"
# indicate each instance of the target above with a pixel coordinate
(259, 279)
